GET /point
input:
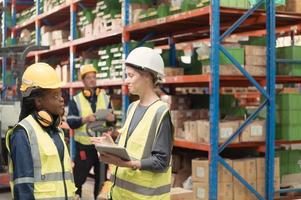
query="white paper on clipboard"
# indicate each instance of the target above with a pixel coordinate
(114, 150)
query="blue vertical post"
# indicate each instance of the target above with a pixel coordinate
(14, 20)
(72, 52)
(38, 24)
(126, 50)
(214, 98)
(4, 32)
(73, 37)
(270, 136)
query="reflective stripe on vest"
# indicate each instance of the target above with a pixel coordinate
(142, 184)
(84, 109)
(48, 177)
(140, 189)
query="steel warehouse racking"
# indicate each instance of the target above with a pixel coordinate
(202, 23)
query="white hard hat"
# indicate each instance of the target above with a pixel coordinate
(146, 58)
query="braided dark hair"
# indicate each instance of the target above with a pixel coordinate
(28, 104)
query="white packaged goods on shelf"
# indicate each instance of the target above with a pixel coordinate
(105, 68)
(116, 62)
(102, 63)
(102, 52)
(117, 55)
(114, 50)
(104, 57)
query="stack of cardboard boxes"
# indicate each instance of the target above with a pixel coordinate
(255, 60)
(229, 188)
(291, 6)
(53, 37)
(200, 178)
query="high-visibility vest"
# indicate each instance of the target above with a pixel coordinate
(84, 108)
(50, 178)
(141, 184)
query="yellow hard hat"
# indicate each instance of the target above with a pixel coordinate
(39, 75)
(86, 69)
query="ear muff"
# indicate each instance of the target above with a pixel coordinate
(46, 119)
(88, 93)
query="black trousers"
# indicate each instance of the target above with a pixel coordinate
(85, 158)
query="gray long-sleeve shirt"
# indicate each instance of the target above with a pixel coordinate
(162, 148)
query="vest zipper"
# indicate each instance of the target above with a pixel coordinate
(64, 181)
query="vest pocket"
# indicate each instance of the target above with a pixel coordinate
(44, 190)
(140, 177)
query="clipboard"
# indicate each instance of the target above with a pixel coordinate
(114, 150)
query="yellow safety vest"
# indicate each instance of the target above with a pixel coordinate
(84, 108)
(141, 184)
(48, 177)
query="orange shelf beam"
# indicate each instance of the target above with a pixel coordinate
(78, 42)
(191, 145)
(104, 35)
(260, 146)
(99, 83)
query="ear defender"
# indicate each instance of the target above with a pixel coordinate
(46, 120)
(88, 93)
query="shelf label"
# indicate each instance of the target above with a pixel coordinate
(226, 133)
(161, 20)
(200, 172)
(256, 130)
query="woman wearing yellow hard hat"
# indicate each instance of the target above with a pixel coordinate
(39, 161)
(147, 134)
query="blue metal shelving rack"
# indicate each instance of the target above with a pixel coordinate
(269, 95)
(126, 50)
(4, 32)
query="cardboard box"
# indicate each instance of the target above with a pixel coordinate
(201, 191)
(246, 168)
(200, 171)
(172, 71)
(291, 6)
(60, 34)
(255, 70)
(254, 132)
(241, 192)
(260, 186)
(256, 60)
(251, 50)
(89, 30)
(225, 70)
(180, 194)
(291, 180)
(260, 168)
(190, 128)
(227, 128)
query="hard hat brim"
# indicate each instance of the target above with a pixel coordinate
(26, 90)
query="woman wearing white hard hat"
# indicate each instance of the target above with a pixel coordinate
(147, 134)
(39, 162)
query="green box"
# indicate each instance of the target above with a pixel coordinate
(288, 69)
(288, 117)
(290, 53)
(290, 161)
(224, 3)
(257, 41)
(236, 52)
(288, 102)
(288, 132)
